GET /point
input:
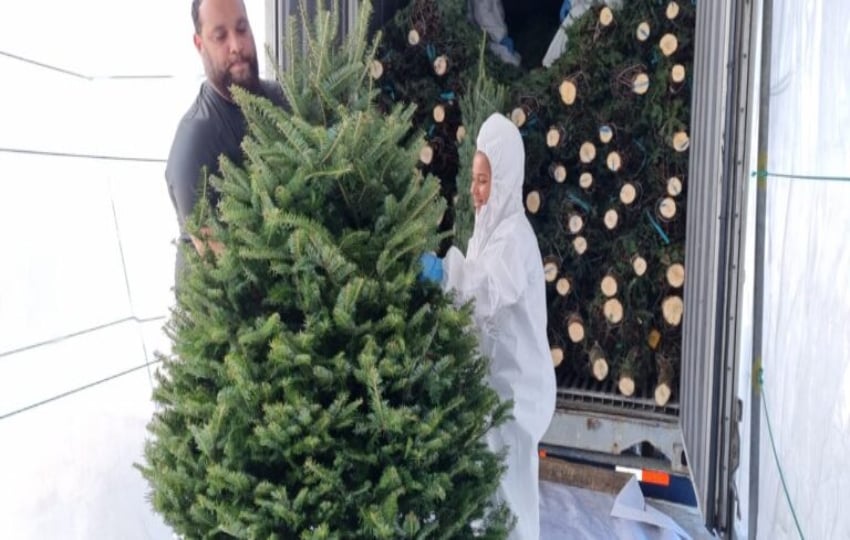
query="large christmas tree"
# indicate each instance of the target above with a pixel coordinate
(317, 389)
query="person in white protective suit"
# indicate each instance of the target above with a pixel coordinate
(503, 273)
(490, 16)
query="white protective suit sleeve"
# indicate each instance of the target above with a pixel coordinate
(502, 273)
(490, 16)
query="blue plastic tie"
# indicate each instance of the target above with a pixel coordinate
(658, 229)
(431, 52)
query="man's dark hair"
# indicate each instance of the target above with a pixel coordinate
(196, 19)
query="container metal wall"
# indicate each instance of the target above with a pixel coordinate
(710, 253)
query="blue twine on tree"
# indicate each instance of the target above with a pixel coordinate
(431, 52)
(448, 96)
(431, 130)
(643, 149)
(390, 90)
(577, 200)
(657, 227)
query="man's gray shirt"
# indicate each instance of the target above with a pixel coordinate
(212, 126)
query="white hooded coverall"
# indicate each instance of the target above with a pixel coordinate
(503, 273)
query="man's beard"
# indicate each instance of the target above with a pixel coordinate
(251, 82)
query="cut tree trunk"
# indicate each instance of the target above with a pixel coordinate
(643, 31)
(674, 186)
(639, 265)
(598, 362)
(533, 201)
(563, 286)
(413, 37)
(558, 172)
(611, 219)
(585, 180)
(575, 328)
(653, 339)
(568, 91)
(460, 135)
(439, 113)
(376, 69)
(676, 275)
(614, 161)
(519, 116)
(587, 152)
(628, 193)
(555, 136)
(626, 384)
(627, 373)
(609, 286)
(672, 10)
(557, 356)
(426, 154)
(551, 267)
(677, 74)
(681, 141)
(664, 386)
(668, 44)
(606, 134)
(672, 308)
(666, 209)
(606, 16)
(575, 223)
(613, 311)
(580, 245)
(441, 65)
(640, 84)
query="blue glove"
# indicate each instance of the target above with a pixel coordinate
(432, 268)
(508, 43)
(566, 7)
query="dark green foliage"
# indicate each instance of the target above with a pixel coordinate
(316, 388)
(602, 62)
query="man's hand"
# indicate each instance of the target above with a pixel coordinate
(205, 241)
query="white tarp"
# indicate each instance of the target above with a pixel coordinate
(806, 330)
(87, 256)
(806, 355)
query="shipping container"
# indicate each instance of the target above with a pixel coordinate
(693, 439)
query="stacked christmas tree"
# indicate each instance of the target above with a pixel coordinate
(317, 388)
(606, 192)
(606, 139)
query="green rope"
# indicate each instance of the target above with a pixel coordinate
(776, 456)
(765, 174)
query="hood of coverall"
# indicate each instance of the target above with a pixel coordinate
(500, 141)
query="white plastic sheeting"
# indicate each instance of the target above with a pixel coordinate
(806, 339)
(86, 243)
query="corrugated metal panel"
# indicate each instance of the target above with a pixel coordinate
(701, 359)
